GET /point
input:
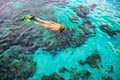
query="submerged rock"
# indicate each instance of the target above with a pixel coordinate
(88, 28)
(85, 74)
(63, 69)
(74, 74)
(54, 76)
(79, 75)
(93, 60)
(81, 62)
(84, 10)
(107, 78)
(110, 69)
(105, 28)
(15, 64)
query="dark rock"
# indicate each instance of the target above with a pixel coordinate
(105, 28)
(53, 76)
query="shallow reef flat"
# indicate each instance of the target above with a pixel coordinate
(88, 48)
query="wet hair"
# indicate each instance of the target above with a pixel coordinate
(62, 29)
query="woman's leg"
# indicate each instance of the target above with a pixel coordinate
(43, 21)
(43, 25)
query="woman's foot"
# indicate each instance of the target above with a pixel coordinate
(29, 18)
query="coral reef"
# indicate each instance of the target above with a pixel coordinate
(82, 10)
(79, 75)
(74, 19)
(110, 69)
(54, 76)
(63, 69)
(107, 78)
(19, 39)
(85, 74)
(74, 74)
(88, 28)
(16, 64)
(94, 61)
(60, 3)
(32, 38)
(14, 31)
(105, 28)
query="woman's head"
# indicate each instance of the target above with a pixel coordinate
(62, 28)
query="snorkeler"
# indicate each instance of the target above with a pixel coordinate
(47, 24)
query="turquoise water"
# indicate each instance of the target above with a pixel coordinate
(31, 52)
